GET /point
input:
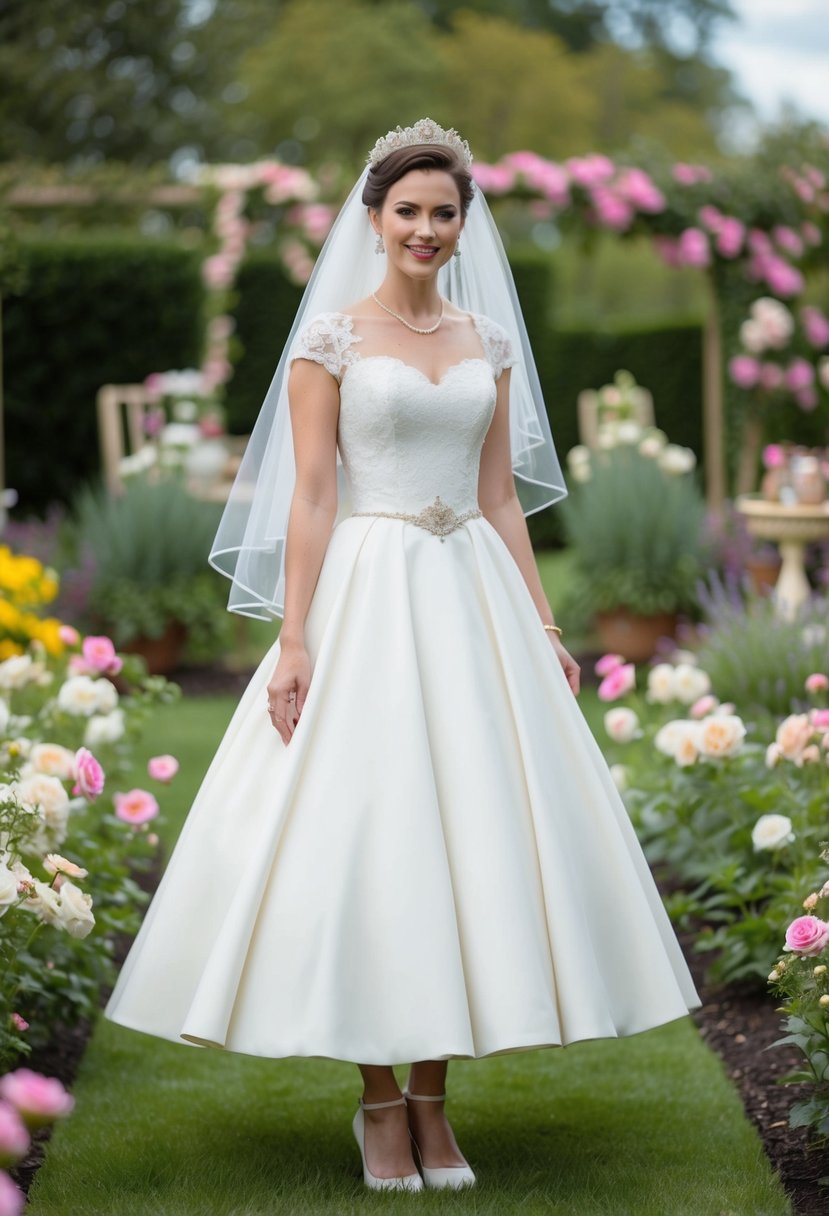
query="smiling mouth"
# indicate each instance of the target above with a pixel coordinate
(424, 252)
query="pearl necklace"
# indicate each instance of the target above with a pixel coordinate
(408, 324)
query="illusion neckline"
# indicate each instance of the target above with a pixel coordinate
(356, 357)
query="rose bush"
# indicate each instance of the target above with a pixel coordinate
(71, 845)
(733, 808)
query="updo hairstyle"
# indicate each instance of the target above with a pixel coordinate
(397, 164)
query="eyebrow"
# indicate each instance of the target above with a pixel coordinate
(402, 202)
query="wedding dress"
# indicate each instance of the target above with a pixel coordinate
(438, 864)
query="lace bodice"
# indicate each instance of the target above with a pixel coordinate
(405, 440)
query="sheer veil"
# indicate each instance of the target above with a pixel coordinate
(249, 546)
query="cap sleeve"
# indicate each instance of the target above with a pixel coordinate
(497, 344)
(327, 340)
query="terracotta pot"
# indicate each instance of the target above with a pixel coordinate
(634, 636)
(161, 654)
(763, 572)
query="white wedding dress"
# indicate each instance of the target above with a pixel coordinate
(438, 864)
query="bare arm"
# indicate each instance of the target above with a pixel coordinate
(314, 402)
(501, 506)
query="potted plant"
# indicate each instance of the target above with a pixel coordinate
(635, 525)
(151, 588)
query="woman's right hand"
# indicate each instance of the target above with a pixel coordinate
(288, 688)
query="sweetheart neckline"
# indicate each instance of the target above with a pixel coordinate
(357, 358)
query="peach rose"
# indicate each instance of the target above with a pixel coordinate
(721, 735)
(55, 864)
(793, 734)
(136, 806)
(162, 768)
(52, 759)
(621, 723)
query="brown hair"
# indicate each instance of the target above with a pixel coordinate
(397, 164)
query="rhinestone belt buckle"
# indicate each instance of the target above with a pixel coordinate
(438, 518)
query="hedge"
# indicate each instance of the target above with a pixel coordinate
(94, 310)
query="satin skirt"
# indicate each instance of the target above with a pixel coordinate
(437, 865)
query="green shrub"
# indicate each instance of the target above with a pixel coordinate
(93, 311)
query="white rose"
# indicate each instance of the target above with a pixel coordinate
(104, 728)
(661, 683)
(721, 735)
(53, 759)
(8, 888)
(107, 696)
(674, 459)
(619, 773)
(579, 455)
(75, 914)
(44, 902)
(771, 832)
(581, 472)
(651, 446)
(16, 671)
(689, 683)
(773, 755)
(4, 716)
(179, 435)
(670, 736)
(621, 723)
(79, 696)
(48, 794)
(752, 337)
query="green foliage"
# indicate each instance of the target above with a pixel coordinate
(93, 312)
(755, 657)
(149, 547)
(636, 534)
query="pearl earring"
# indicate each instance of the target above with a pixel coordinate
(457, 251)
(379, 247)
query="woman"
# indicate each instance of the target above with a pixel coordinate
(416, 853)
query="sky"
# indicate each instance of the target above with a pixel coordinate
(779, 50)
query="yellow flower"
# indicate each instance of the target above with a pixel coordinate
(9, 648)
(49, 635)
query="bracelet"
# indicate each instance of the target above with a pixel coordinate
(554, 628)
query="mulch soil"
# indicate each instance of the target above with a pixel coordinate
(737, 1022)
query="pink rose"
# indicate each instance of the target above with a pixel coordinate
(162, 768)
(744, 371)
(771, 376)
(793, 734)
(788, 240)
(820, 719)
(89, 776)
(617, 682)
(773, 456)
(693, 247)
(12, 1198)
(783, 279)
(136, 806)
(14, 1138)
(608, 663)
(19, 1022)
(611, 210)
(817, 682)
(38, 1100)
(815, 326)
(637, 187)
(703, 706)
(807, 935)
(99, 654)
(730, 237)
(799, 374)
(811, 233)
(69, 635)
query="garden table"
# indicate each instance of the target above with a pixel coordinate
(791, 527)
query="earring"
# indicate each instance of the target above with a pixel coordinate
(457, 252)
(379, 247)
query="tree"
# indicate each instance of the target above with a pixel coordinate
(338, 73)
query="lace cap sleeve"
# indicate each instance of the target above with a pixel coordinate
(497, 344)
(327, 340)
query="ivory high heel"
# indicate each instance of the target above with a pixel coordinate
(445, 1175)
(405, 1182)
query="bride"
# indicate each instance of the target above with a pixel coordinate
(411, 842)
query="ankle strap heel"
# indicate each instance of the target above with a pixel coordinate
(424, 1097)
(379, 1105)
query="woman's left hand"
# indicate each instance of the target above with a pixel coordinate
(569, 665)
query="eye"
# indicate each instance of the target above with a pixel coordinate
(446, 215)
(404, 211)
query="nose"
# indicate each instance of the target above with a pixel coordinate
(425, 230)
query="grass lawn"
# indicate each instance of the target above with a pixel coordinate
(647, 1125)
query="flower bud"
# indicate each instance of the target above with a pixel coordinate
(824, 1001)
(820, 970)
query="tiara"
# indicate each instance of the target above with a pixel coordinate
(424, 131)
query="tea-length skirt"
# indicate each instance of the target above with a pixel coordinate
(438, 864)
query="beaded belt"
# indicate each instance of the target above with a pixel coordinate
(437, 518)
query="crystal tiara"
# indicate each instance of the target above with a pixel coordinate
(424, 131)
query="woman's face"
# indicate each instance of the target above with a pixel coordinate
(420, 222)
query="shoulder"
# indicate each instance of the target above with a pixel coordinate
(325, 339)
(497, 342)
